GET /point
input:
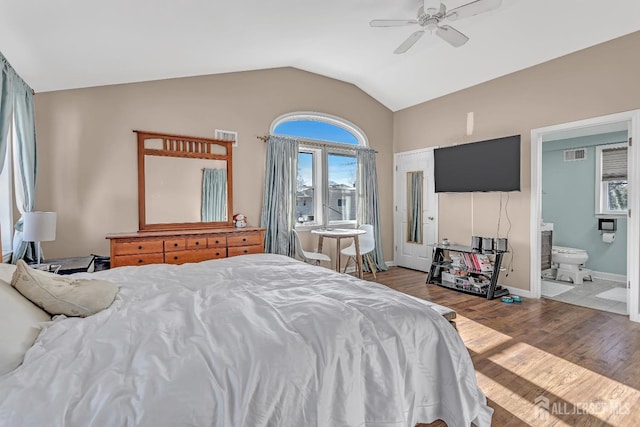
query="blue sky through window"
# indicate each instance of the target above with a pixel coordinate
(316, 130)
(305, 169)
(341, 168)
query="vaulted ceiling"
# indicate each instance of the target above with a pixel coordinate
(66, 44)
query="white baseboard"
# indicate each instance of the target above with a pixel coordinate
(622, 278)
(517, 291)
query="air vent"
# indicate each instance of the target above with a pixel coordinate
(227, 135)
(575, 154)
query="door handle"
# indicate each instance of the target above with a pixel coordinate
(430, 218)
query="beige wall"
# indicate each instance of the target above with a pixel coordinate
(88, 156)
(597, 81)
(88, 169)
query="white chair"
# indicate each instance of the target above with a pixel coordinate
(308, 256)
(367, 245)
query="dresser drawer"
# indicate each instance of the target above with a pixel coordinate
(197, 255)
(244, 250)
(246, 239)
(217, 242)
(139, 247)
(171, 245)
(184, 246)
(140, 259)
(196, 242)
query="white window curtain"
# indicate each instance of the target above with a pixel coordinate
(214, 195)
(6, 101)
(279, 200)
(16, 98)
(368, 205)
(25, 162)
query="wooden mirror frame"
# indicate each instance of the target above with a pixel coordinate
(184, 147)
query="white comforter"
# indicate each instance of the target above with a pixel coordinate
(257, 340)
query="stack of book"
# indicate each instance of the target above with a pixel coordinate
(472, 262)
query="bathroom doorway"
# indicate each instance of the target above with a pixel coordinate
(584, 217)
(566, 183)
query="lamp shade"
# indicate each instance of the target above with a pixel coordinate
(39, 226)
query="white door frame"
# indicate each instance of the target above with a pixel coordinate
(633, 224)
(395, 198)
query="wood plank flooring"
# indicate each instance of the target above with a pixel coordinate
(581, 364)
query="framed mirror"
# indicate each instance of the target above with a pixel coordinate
(414, 207)
(184, 182)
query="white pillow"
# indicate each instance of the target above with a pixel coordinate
(62, 294)
(6, 272)
(20, 322)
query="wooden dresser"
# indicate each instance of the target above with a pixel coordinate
(181, 246)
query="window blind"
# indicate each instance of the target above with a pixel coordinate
(614, 164)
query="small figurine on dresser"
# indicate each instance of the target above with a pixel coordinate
(240, 220)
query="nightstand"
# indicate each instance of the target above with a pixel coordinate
(72, 265)
(49, 268)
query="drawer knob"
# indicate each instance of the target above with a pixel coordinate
(244, 239)
(217, 241)
(140, 247)
(175, 257)
(246, 251)
(139, 261)
(175, 245)
(217, 253)
(197, 243)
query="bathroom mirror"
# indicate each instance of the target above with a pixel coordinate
(414, 207)
(184, 182)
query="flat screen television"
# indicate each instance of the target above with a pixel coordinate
(491, 165)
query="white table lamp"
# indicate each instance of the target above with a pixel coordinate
(39, 227)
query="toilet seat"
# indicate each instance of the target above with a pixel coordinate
(564, 250)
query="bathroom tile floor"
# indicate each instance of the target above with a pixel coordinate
(585, 295)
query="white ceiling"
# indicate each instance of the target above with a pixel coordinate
(68, 44)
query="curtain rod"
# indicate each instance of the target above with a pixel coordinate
(265, 138)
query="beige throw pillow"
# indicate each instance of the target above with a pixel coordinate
(20, 322)
(63, 295)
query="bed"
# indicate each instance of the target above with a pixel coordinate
(254, 340)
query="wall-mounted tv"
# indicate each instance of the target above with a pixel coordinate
(491, 165)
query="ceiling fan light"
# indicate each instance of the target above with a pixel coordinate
(431, 24)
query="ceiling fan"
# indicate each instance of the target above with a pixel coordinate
(430, 17)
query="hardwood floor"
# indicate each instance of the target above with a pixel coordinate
(582, 364)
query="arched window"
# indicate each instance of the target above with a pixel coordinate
(327, 166)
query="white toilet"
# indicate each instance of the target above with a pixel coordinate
(570, 264)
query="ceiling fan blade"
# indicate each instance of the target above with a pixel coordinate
(410, 41)
(452, 36)
(392, 22)
(473, 8)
